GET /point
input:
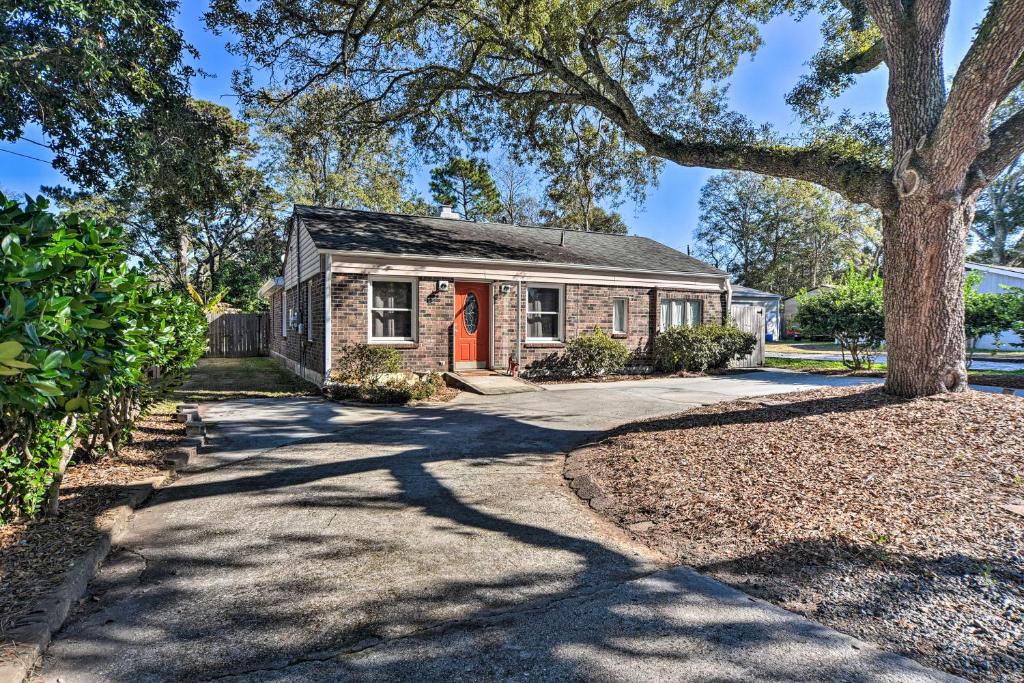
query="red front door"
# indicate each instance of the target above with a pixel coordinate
(472, 324)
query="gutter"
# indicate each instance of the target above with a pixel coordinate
(529, 264)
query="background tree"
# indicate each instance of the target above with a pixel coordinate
(467, 185)
(319, 155)
(852, 313)
(998, 226)
(586, 163)
(194, 198)
(657, 71)
(783, 235)
(518, 203)
(83, 71)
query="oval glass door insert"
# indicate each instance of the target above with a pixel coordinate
(471, 314)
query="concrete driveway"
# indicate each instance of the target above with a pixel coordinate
(327, 542)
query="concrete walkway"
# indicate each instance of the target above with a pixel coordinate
(328, 542)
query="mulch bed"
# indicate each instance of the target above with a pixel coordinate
(557, 379)
(878, 516)
(34, 555)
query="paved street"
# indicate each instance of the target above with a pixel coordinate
(325, 542)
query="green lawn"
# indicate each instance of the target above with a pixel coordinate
(997, 378)
(829, 347)
(219, 379)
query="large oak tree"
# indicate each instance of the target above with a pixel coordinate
(656, 70)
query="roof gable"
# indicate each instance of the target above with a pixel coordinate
(368, 232)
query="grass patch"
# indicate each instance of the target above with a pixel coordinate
(1011, 379)
(220, 379)
(829, 347)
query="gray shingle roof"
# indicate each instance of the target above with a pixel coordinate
(742, 291)
(385, 233)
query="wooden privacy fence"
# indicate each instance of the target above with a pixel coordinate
(234, 335)
(749, 318)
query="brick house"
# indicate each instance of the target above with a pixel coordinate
(452, 294)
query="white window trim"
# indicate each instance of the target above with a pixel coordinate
(414, 325)
(560, 329)
(625, 315)
(686, 312)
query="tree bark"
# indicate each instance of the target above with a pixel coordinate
(924, 245)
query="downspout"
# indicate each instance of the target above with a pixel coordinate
(728, 301)
(519, 324)
(328, 276)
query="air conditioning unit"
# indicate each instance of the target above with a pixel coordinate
(443, 285)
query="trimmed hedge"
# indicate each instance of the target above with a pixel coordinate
(701, 348)
(590, 355)
(366, 363)
(86, 344)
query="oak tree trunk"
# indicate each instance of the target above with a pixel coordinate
(924, 245)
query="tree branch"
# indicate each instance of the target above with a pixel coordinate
(978, 87)
(1007, 143)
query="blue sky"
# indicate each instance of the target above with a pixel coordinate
(670, 212)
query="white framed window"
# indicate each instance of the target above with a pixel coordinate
(284, 314)
(309, 310)
(392, 308)
(620, 313)
(544, 306)
(675, 312)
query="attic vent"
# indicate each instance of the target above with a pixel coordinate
(446, 212)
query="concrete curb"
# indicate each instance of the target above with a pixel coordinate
(26, 640)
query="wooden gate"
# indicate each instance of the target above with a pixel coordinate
(749, 318)
(234, 335)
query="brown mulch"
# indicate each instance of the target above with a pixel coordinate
(34, 555)
(875, 515)
(558, 379)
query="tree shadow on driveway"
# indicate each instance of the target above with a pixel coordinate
(422, 544)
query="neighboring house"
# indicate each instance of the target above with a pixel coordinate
(790, 306)
(451, 294)
(997, 279)
(771, 303)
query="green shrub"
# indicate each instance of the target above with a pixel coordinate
(852, 313)
(366, 363)
(590, 355)
(85, 345)
(701, 348)
(403, 389)
(988, 312)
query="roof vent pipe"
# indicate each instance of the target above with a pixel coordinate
(446, 212)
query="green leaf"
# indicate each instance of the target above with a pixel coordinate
(10, 349)
(11, 363)
(16, 301)
(47, 388)
(76, 403)
(53, 360)
(96, 323)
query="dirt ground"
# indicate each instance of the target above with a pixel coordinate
(878, 516)
(34, 555)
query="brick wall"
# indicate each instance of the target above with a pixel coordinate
(586, 306)
(432, 349)
(296, 349)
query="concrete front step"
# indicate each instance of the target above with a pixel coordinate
(489, 384)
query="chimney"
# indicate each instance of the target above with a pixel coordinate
(446, 212)
(561, 241)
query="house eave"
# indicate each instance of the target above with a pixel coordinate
(270, 286)
(723, 277)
